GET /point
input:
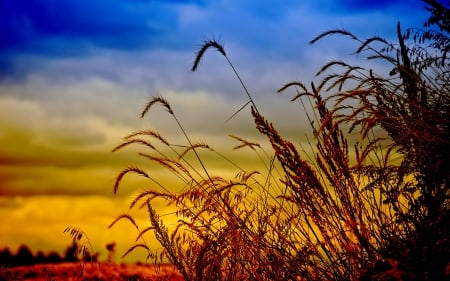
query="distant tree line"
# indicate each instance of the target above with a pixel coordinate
(24, 256)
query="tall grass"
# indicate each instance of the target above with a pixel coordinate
(351, 210)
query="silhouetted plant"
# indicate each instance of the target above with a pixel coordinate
(413, 106)
(371, 210)
(81, 248)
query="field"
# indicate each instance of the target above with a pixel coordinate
(97, 271)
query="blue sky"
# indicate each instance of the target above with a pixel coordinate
(75, 74)
(54, 29)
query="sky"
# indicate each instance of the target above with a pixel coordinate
(76, 74)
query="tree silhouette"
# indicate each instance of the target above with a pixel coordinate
(5, 256)
(40, 257)
(24, 256)
(53, 257)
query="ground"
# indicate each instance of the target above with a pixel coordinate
(97, 271)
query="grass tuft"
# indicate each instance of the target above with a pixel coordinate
(205, 46)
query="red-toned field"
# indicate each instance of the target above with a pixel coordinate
(96, 271)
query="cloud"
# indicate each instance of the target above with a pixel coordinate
(46, 27)
(51, 141)
(57, 138)
(38, 30)
(59, 142)
(76, 28)
(364, 6)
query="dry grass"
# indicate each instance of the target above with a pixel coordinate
(347, 212)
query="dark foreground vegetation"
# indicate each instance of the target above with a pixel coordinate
(372, 208)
